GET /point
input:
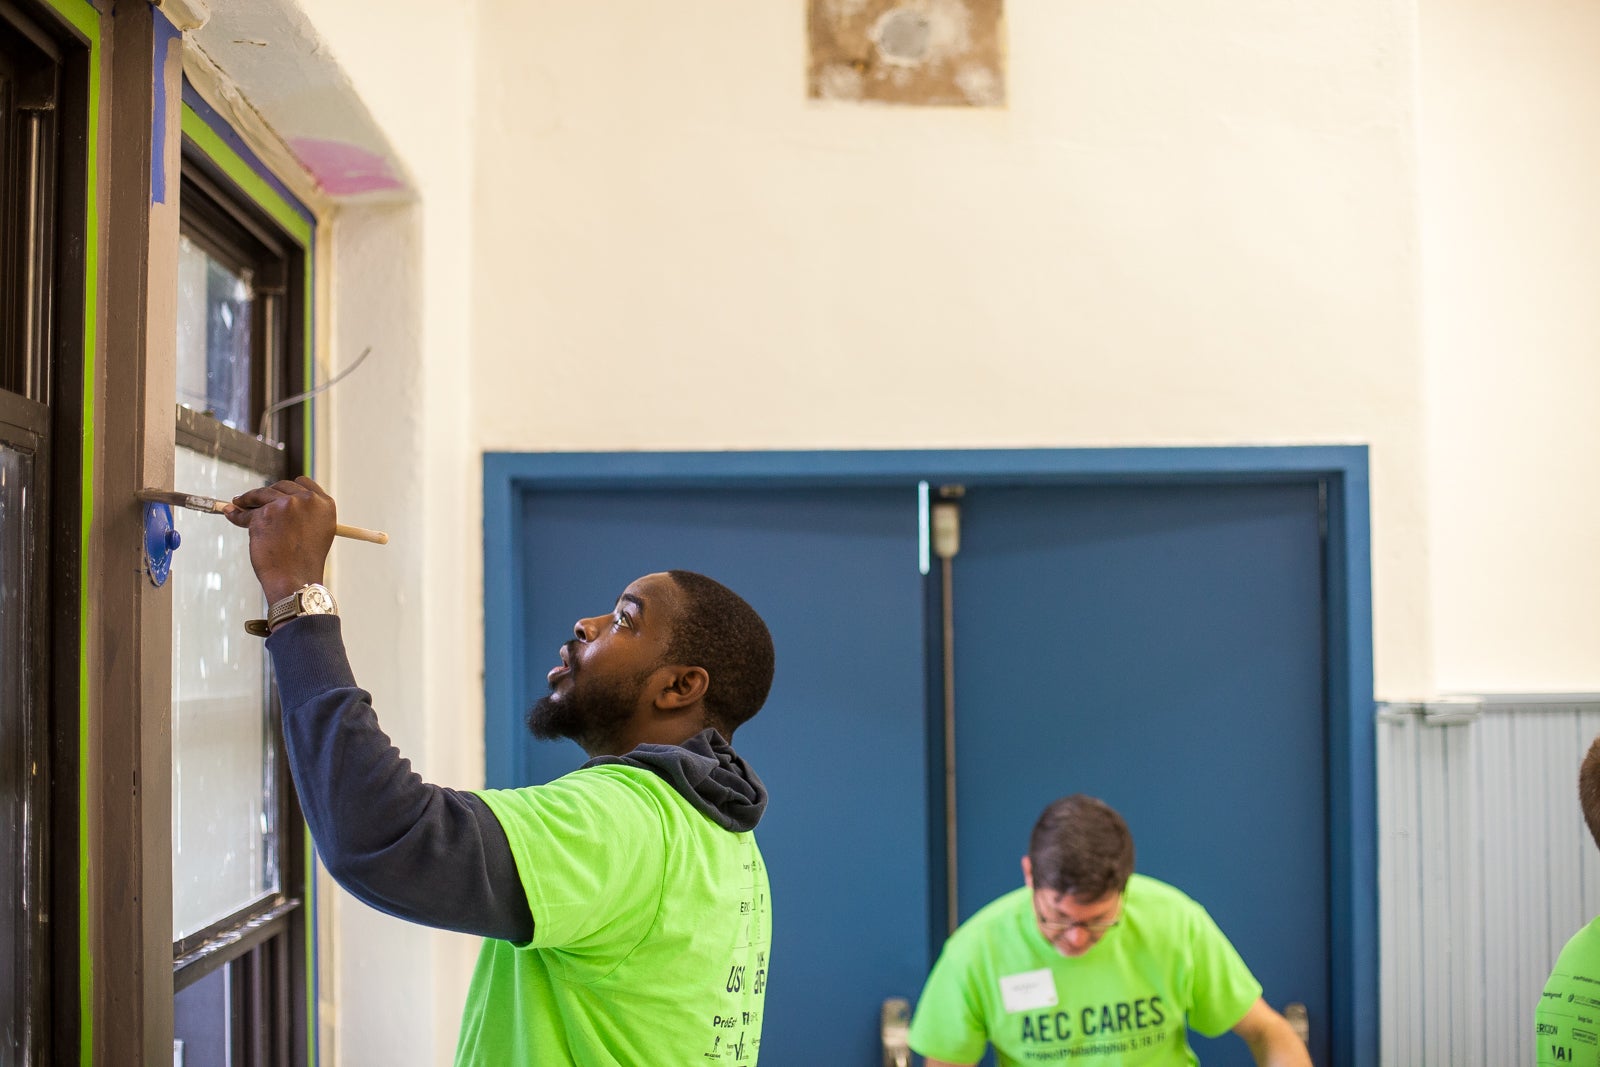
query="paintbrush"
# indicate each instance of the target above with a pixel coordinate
(214, 506)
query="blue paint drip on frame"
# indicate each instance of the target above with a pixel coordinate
(165, 34)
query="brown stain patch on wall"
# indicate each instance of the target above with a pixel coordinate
(942, 53)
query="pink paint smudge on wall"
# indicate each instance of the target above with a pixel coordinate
(345, 169)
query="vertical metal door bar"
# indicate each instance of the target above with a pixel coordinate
(947, 603)
(946, 530)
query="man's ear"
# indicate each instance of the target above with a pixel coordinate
(1027, 871)
(680, 687)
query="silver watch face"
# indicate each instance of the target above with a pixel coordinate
(316, 601)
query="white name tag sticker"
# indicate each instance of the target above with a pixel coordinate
(1028, 990)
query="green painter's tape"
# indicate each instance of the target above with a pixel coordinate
(310, 868)
(245, 177)
(86, 20)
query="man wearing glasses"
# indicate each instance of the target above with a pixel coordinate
(1091, 964)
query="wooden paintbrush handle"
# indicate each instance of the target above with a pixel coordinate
(222, 507)
(356, 533)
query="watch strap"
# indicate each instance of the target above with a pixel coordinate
(284, 610)
(289, 607)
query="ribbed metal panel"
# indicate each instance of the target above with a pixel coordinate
(1485, 870)
(1399, 869)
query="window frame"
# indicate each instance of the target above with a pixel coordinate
(264, 944)
(42, 376)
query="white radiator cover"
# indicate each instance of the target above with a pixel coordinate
(1485, 869)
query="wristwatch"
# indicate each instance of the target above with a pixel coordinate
(310, 599)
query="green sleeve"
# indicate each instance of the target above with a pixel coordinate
(1223, 987)
(948, 1024)
(590, 851)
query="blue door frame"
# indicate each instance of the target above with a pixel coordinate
(1340, 469)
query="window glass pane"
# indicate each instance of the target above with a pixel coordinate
(214, 311)
(224, 842)
(202, 1021)
(16, 551)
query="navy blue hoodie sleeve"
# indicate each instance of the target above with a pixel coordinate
(417, 851)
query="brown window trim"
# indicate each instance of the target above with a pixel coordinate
(28, 416)
(203, 952)
(206, 435)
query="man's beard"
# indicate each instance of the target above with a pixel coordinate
(592, 713)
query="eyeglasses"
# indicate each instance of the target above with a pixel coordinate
(1054, 928)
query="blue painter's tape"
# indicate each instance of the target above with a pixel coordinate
(165, 34)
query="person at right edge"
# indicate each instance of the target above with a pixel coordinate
(1091, 964)
(625, 906)
(1566, 1027)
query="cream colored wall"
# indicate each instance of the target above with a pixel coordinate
(400, 458)
(1193, 224)
(634, 232)
(1510, 149)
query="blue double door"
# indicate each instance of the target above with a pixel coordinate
(1160, 647)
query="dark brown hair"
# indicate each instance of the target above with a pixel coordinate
(1082, 848)
(1589, 790)
(715, 629)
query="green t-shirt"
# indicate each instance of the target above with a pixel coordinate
(1124, 1003)
(1567, 1022)
(651, 930)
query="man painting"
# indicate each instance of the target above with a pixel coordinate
(625, 906)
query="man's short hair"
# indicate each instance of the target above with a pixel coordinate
(1081, 848)
(717, 630)
(1589, 790)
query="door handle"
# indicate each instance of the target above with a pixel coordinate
(896, 1031)
(1299, 1021)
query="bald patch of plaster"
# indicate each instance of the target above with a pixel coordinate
(937, 52)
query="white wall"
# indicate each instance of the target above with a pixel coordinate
(1510, 150)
